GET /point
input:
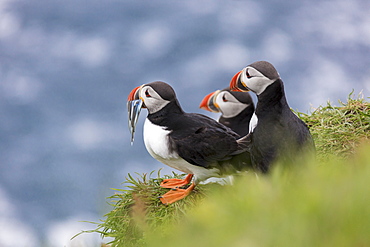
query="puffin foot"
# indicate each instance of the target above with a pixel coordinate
(175, 182)
(176, 194)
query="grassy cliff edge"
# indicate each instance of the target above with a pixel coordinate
(324, 203)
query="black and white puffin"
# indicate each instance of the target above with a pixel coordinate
(279, 133)
(189, 142)
(237, 109)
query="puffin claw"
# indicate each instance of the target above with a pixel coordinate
(176, 194)
(175, 182)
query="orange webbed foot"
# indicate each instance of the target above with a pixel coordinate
(175, 182)
(176, 194)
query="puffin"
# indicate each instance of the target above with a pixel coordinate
(237, 109)
(279, 134)
(192, 143)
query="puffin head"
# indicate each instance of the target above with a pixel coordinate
(228, 102)
(256, 77)
(154, 96)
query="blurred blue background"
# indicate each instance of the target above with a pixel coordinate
(66, 68)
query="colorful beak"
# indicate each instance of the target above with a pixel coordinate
(236, 83)
(134, 105)
(209, 102)
(134, 94)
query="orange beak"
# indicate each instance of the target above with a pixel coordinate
(235, 84)
(133, 95)
(208, 103)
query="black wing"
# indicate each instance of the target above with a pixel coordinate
(202, 141)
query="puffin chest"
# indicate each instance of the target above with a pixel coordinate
(156, 141)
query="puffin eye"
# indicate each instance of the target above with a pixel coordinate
(147, 94)
(224, 98)
(247, 74)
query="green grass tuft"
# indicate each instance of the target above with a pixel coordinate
(137, 209)
(337, 130)
(325, 203)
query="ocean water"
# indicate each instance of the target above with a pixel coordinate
(66, 68)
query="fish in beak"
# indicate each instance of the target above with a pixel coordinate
(236, 83)
(134, 105)
(209, 102)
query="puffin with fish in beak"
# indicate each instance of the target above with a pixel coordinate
(192, 143)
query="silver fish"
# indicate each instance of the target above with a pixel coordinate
(134, 108)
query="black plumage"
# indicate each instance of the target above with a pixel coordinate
(196, 138)
(279, 132)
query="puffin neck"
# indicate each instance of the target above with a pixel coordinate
(162, 116)
(239, 123)
(243, 115)
(273, 98)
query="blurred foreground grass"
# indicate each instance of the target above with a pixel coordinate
(326, 205)
(323, 203)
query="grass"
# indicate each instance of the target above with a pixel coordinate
(137, 209)
(315, 206)
(337, 130)
(325, 203)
